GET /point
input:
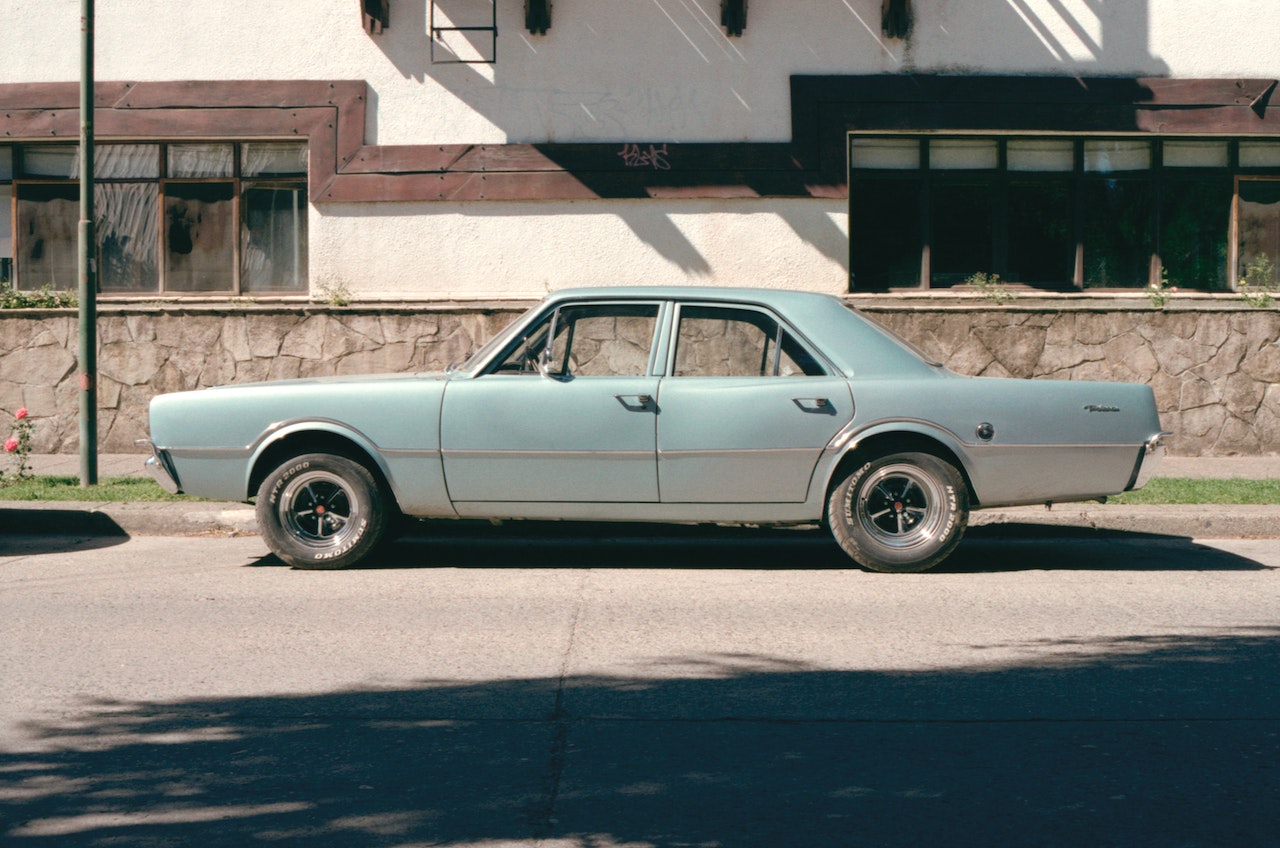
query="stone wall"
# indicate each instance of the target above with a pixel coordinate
(1215, 369)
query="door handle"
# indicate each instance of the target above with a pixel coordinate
(821, 406)
(637, 403)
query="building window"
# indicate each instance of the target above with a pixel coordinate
(213, 218)
(1059, 212)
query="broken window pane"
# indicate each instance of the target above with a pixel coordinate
(199, 237)
(274, 240)
(198, 161)
(127, 230)
(48, 219)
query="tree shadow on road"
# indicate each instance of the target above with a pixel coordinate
(1167, 740)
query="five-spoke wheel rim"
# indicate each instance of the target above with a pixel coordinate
(900, 506)
(319, 509)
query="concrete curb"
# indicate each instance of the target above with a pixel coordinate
(199, 518)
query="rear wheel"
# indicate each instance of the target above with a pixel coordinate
(321, 511)
(901, 512)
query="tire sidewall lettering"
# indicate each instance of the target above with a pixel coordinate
(284, 478)
(348, 545)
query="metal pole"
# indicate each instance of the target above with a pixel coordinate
(88, 267)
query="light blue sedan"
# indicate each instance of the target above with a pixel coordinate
(656, 404)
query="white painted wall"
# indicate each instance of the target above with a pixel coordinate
(616, 71)
(491, 250)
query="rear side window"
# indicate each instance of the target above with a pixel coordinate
(722, 341)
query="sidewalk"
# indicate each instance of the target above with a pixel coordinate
(203, 517)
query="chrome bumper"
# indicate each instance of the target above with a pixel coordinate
(1153, 453)
(160, 469)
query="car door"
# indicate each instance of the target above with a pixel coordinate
(566, 414)
(746, 409)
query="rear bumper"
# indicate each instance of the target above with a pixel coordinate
(160, 468)
(1149, 459)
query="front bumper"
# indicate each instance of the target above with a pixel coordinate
(1149, 458)
(160, 468)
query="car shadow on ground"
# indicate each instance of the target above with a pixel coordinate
(1126, 740)
(999, 548)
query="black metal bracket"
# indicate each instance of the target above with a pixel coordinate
(375, 15)
(733, 16)
(537, 16)
(895, 18)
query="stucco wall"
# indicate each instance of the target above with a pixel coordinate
(486, 250)
(619, 70)
(612, 71)
(1215, 371)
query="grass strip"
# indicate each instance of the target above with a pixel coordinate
(59, 488)
(1190, 490)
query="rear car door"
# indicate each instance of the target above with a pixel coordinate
(746, 409)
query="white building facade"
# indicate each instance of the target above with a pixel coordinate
(497, 149)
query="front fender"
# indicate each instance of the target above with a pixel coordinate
(415, 476)
(304, 427)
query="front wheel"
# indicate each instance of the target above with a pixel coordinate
(321, 511)
(901, 512)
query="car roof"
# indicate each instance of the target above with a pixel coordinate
(846, 337)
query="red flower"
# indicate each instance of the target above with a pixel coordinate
(11, 445)
(21, 414)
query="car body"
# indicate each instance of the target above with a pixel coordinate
(660, 404)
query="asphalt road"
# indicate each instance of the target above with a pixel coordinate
(745, 689)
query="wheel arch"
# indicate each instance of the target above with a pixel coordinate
(869, 445)
(317, 437)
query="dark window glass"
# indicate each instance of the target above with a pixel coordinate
(884, 233)
(962, 228)
(1042, 245)
(1117, 233)
(1195, 217)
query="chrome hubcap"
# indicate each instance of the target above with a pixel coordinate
(901, 507)
(318, 509)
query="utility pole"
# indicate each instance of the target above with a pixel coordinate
(88, 265)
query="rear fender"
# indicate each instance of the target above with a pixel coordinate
(861, 442)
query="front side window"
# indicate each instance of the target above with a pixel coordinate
(210, 218)
(596, 340)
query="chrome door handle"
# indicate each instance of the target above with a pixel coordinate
(636, 403)
(819, 405)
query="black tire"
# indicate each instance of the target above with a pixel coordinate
(321, 511)
(901, 512)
